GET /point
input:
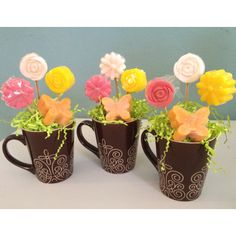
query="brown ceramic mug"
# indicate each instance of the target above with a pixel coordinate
(116, 144)
(185, 167)
(42, 151)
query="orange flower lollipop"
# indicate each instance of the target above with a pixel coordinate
(117, 108)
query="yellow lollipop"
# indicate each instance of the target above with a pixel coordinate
(216, 87)
(60, 79)
(133, 80)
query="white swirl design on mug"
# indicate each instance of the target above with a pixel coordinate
(132, 152)
(113, 158)
(50, 170)
(171, 183)
(197, 180)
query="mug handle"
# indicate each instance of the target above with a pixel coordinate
(147, 150)
(82, 139)
(13, 160)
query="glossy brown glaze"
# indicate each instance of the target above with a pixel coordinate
(185, 167)
(116, 144)
(42, 150)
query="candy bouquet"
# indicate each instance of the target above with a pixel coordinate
(184, 135)
(121, 108)
(115, 120)
(46, 123)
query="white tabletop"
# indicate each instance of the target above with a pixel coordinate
(92, 187)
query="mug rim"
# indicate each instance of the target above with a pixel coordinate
(191, 143)
(126, 122)
(30, 131)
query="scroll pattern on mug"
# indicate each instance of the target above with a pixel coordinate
(50, 170)
(171, 184)
(112, 158)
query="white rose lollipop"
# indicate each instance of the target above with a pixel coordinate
(112, 66)
(189, 68)
(33, 67)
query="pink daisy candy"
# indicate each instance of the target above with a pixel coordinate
(159, 93)
(17, 93)
(97, 87)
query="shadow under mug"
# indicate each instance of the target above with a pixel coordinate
(185, 167)
(42, 151)
(116, 144)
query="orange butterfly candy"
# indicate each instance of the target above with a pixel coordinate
(55, 111)
(117, 109)
(187, 124)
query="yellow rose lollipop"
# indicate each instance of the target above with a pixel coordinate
(60, 79)
(133, 80)
(216, 87)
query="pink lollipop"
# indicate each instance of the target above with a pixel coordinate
(159, 93)
(97, 87)
(17, 93)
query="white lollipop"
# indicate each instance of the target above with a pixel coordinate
(33, 67)
(112, 65)
(189, 68)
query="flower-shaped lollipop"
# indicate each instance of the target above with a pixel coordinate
(112, 65)
(60, 79)
(133, 80)
(17, 93)
(189, 68)
(216, 87)
(160, 92)
(98, 87)
(33, 67)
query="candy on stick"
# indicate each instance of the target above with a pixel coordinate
(98, 87)
(188, 69)
(33, 67)
(159, 92)
(216, 87)
(60, 79)
(112, 66)
(133, 80)
(17, 93)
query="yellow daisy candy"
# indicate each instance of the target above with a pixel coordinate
(216, 87)
(133, 80)
(60, 79)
